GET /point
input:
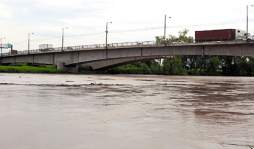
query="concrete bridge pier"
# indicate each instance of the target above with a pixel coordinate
(71, 68)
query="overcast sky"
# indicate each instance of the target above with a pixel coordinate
(133, 20)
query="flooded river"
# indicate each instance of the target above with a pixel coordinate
(41, 111)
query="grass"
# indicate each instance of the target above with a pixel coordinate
(29, 69)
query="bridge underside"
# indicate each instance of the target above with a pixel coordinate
(104, 64)
(101, 58)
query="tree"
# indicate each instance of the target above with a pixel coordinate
(173, 66)
(182, 38)
(213, 66)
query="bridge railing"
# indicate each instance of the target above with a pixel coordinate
(83, 47)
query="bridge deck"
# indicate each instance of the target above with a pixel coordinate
(123, 45)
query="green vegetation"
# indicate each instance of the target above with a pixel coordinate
(148, 67)
(29, 69)
(182, 38)
(190, 65)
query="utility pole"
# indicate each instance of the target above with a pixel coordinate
(62, 39)
(28, 42)
(165, 26)
(247, 21)
(62, 49)
(107, 38)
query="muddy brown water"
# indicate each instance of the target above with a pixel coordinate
(41, 111)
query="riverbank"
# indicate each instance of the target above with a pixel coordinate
(29, 69)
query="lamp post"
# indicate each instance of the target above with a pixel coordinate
(63, 38)
(247, 21)
(107, 38)
(165, 26)
(28, 42)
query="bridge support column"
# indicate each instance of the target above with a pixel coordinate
(71, 69)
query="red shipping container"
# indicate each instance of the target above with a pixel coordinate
(215, 35)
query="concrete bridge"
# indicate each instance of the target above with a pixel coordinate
(98, 57)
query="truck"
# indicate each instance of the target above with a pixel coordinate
(220, 35)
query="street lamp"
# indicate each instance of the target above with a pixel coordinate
(63, 37)
(28, 42)
(165, 26)
(107, 38)
(247, 21)
(1, 41)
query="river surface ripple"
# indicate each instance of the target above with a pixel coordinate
(41, 111)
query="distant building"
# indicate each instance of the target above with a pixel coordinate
(45, 47)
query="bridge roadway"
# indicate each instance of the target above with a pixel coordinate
(98, 57)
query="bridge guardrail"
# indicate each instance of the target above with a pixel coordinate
(83, 47)
(97, 46)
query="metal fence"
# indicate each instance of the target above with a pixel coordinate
(116, 46)
(83, 47)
